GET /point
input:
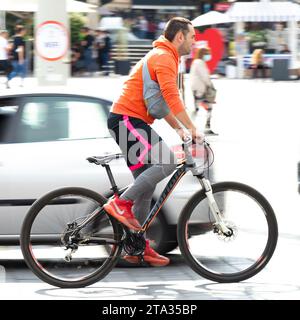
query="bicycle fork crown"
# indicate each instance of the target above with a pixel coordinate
(220, 224)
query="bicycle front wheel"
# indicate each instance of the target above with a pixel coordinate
(60, 256)
(228, 258)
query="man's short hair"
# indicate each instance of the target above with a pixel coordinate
(175, 25)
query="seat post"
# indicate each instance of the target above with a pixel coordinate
(114, 187)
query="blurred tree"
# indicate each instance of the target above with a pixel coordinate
(257, 38)
(15, 18)
(77, 21)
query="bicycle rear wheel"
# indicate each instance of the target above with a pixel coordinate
(231, 258)
(47, 238)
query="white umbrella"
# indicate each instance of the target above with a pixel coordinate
(211, 17)
(32, 6)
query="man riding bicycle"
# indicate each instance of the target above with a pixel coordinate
(148, 156)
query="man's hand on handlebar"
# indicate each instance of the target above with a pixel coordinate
(197, 136)
(182, 134)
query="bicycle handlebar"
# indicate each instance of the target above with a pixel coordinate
(188, 141)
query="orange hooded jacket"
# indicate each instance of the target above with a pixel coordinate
(163, 63)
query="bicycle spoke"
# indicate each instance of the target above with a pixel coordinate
(62, 246)
(244, 250)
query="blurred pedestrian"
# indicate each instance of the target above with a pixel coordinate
(160, 28)
(284, 49)
(104, 52)
(258, 63)
(202, 85)
(77, 61)
(151, 30)
(5, 65)
(142, 25)
(98, 45)
(87, 43)
(19, 62)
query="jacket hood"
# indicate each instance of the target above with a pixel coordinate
(164, 43)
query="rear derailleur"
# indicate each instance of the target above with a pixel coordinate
(69, 239)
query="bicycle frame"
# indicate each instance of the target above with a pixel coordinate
(188, 164)
(179, 173)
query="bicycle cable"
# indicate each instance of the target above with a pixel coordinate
(208, 151)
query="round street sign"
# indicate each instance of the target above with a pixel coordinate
(52, 40)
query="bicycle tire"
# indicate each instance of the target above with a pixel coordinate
(27, 244)
(204, 264)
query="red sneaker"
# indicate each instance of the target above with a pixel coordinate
(121, 210)
(150, 256)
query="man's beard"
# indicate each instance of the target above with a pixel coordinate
(183, 51)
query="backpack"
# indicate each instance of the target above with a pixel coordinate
(154, 101)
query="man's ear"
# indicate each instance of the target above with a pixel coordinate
(179, 36)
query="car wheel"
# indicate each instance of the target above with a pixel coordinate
(163, 235)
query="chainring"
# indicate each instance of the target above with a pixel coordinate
(134, 244)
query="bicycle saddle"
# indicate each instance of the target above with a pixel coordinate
(99, 160)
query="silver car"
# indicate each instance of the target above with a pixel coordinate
(45, 139)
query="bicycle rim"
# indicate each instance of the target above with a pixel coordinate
(252, 241)
(45, 238)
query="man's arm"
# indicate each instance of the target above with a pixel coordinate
(184, 119)
(20, 48)
(166, 73)
(173, 122)
(20, 51)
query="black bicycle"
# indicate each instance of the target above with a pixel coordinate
(227, 232)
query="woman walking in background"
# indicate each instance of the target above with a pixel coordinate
(200, 84)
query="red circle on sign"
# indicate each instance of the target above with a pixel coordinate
(62, 29)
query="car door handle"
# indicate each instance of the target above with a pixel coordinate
(1, 164)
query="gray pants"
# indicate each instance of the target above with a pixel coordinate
(161, 163)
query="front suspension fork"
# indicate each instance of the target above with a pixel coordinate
(205, 183)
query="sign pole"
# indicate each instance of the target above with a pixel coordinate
(52, 43)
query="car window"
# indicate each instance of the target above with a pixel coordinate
(7, 115)
(86, 120)
(54, 118)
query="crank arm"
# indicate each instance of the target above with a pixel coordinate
(97, 240)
